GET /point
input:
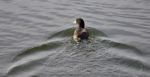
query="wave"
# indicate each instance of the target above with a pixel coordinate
(56, 46)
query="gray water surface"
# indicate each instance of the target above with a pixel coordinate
(36, 38)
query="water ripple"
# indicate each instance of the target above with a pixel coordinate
(37, 37)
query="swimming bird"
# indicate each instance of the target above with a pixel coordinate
(80, 32)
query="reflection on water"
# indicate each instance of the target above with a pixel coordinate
(36, 38)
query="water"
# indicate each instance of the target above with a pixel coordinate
(35, 38)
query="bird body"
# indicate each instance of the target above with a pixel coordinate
(80, 32)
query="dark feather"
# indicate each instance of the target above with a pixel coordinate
(84, 35)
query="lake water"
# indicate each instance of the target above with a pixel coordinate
(36, 38)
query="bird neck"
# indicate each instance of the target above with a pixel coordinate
(79, 28)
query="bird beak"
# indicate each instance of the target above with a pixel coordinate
(74, 22)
